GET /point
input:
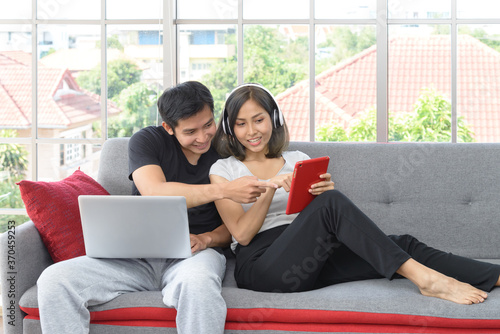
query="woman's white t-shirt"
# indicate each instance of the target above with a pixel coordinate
(231, 169)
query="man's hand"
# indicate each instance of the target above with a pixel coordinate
(246, 189)
(199, 242)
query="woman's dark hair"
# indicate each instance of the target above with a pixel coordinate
(228, 145)
(183, 101)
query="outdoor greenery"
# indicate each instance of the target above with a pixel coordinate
(492, 40)
(430, 121)
(13, 164)
(342, 43)
(138, 105)
(134, 98)
(121, 74)
(269, 59)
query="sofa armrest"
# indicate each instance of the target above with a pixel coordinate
(23, 257)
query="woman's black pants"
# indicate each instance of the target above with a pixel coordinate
(332, 241)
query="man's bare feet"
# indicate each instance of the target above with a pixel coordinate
(434, 284)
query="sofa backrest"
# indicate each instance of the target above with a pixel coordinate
(113, 167)
(446, 195)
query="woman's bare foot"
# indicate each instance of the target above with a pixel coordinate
(434, 284)
(450, 289)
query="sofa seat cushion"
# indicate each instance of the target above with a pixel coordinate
(364, 306)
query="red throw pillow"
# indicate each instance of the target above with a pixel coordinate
(53, 208)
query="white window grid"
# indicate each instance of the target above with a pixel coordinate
(172, 71)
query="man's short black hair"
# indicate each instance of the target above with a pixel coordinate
(183, 101)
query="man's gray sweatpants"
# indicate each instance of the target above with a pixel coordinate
(192, 286)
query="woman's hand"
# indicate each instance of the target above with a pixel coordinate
(283, 180)
(322, 186)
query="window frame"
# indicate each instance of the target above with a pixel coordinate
(172, 70)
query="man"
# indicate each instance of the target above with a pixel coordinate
(171, 159)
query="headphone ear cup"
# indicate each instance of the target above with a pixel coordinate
(277, 118)
(225, 123)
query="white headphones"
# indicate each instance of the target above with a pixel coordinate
(277, 116)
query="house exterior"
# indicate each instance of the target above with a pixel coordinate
(415, 63)
(64, 111)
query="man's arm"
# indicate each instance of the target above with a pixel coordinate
(220, 237)
(150, 181)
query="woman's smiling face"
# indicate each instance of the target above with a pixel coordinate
(253, 127)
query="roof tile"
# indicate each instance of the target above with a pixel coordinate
(415, 63)
(15, 95)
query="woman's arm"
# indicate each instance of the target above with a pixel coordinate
(243, 225)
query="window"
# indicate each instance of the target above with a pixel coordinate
(360, 70)
(202, 37)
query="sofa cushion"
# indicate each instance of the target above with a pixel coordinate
(53, 208)
(365, 306)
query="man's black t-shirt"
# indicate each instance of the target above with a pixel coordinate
(154, 146)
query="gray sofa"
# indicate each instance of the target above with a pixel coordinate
(447, 195)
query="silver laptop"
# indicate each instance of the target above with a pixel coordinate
(135, 226)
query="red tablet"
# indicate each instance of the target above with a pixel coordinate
(305, 174)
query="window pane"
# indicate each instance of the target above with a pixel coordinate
(8, 221)
(475, 9)
(203, 9)
(346, 83)
(61, 160)
(135, 77)
(278, 58)
(69, 81)
(420, 83)
(341, 9)
(133, 9)
(74, 9)
(15, 79)
(207, 53)
(422, 9)
(20, 9)
(275, 9)
(17, 166)
(478, 81)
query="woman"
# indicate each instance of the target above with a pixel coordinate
(337, 241)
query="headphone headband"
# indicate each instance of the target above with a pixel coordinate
(277, 116)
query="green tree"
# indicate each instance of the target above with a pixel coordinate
(121, 74)
(14, 163)
(430, 121)
(491, 40)
(269, 59)
(138, 105)
(345, 42)
(113, 43)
